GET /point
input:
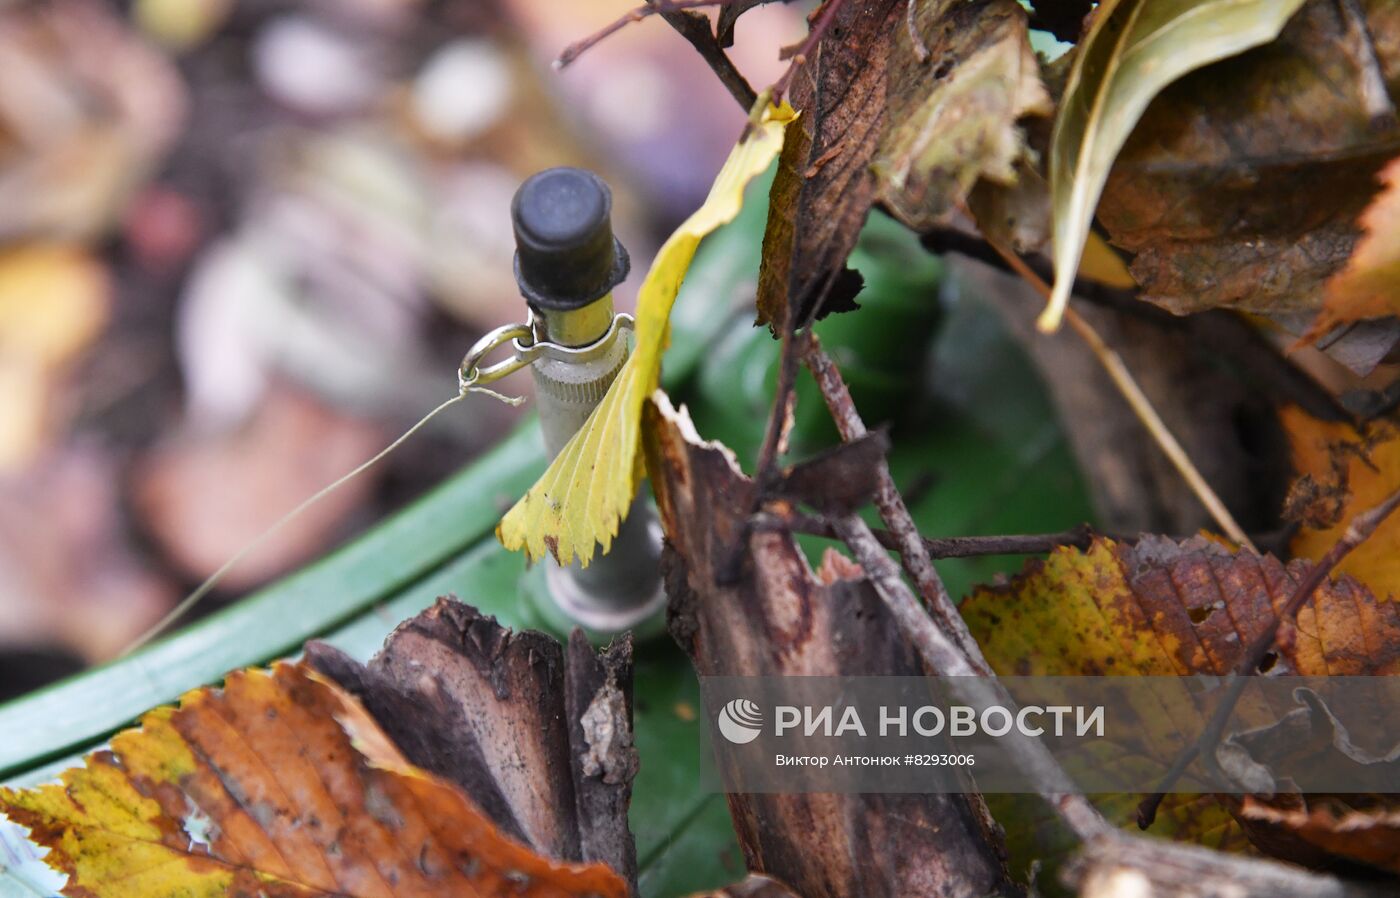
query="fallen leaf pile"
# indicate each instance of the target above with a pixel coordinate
(1162, 608)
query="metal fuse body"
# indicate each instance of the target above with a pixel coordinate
(567, 263)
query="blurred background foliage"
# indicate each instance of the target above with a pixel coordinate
(243, 244)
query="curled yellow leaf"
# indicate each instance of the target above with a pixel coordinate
(582, 497)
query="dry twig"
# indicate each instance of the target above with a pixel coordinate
(891, 505)
(802, 52)
(940, 547)
(651, 8)
(1142, 406)
(695, 28)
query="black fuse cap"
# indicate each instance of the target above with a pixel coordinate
(565, 254)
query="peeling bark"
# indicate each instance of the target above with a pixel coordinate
(779, 619)
(539, 736)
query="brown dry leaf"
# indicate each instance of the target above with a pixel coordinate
(1317, 832)
(839, 480)
(952, 117)
(205, 497)
(880, 124)
(1131, 50)
(278, 784)
(823, 188)
(1163, 608)
(1241, 185)
(1369, 285)
(54, 301)
(1342, 473)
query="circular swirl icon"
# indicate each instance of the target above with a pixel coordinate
(740, 721)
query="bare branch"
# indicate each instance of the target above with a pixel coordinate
(940, 547)
(695, 28)
(891, 506)
(946, 659)
(803, 51)
(948, 646)
(653, 7)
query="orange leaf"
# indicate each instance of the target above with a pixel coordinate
(1369, 285)
(1342, 473)
(279, 784)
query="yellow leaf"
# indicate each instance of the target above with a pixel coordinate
(1342, 473)
(1102, 264)
(280, 785)
(584, 494)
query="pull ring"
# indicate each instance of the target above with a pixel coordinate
(526, 347)
(470, 374)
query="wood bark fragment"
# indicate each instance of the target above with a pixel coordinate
(538, 736)
(778, 618)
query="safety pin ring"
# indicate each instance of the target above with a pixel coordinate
(471, 374)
